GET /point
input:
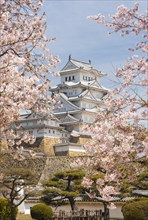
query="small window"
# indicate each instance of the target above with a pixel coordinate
(49, 131)
(30, 132)
(69, 78)
(73, 77)
(65, 78)
(89, 78)
(53, 132)
(86, 78)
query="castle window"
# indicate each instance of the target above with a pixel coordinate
(69, 78)
(86, 78)
(89, 78)
(30, 132)
(65, 78)
(73, 77)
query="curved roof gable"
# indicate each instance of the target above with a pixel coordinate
(75, 64)
(68, 106)
(69, 65)
(69, 118)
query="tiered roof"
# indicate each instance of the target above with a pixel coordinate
(68, 119)
(73, 65)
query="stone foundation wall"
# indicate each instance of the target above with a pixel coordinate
(80, 140)
(47, 144)
(36, 165)
(74, 153)
(84, 140)
(44, 168)
(55, 164)
(44, 144)
(3, 145)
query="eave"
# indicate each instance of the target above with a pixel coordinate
(78, 84)
(39, 127)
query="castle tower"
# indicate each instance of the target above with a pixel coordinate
(81, 98)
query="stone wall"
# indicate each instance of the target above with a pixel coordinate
(37, 165)
(3, 145)
(44, 168)
(76, 153)
(47, 144)
(80, 140)
(44, 144)
(55, 164)
(84, 139)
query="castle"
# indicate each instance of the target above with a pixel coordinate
(81, 97)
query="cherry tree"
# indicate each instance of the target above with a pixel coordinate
(25, 63)
(119, 135)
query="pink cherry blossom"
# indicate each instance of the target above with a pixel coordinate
(25, 63)
(87, 182)
(119, 134)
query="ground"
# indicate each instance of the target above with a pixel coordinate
(23, 217)
(27, 217)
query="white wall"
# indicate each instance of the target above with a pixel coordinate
(115, 213)
(70, 74)
(85, 116)
(97, 94)
(86, 76)
(87, 104)
(70, 92)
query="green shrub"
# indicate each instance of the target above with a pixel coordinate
(135, 209)
(41, 212)
(5, 209)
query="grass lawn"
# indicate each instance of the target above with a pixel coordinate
(23, 217)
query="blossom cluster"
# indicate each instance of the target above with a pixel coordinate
(25, 63)
(119, 133)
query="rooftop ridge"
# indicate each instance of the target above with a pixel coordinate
(81, 61)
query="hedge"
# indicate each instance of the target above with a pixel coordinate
(41, 212)
(5, 209)
(135, 209)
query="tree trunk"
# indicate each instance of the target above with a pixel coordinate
(72, 203)
(106, 211)
(12, 212)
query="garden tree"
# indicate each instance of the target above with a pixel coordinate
(12, 183)
(64, 185)
(141, 184)
(91, 185)
(114, 144)
(25, 64)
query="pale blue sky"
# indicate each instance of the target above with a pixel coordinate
(84, 39)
